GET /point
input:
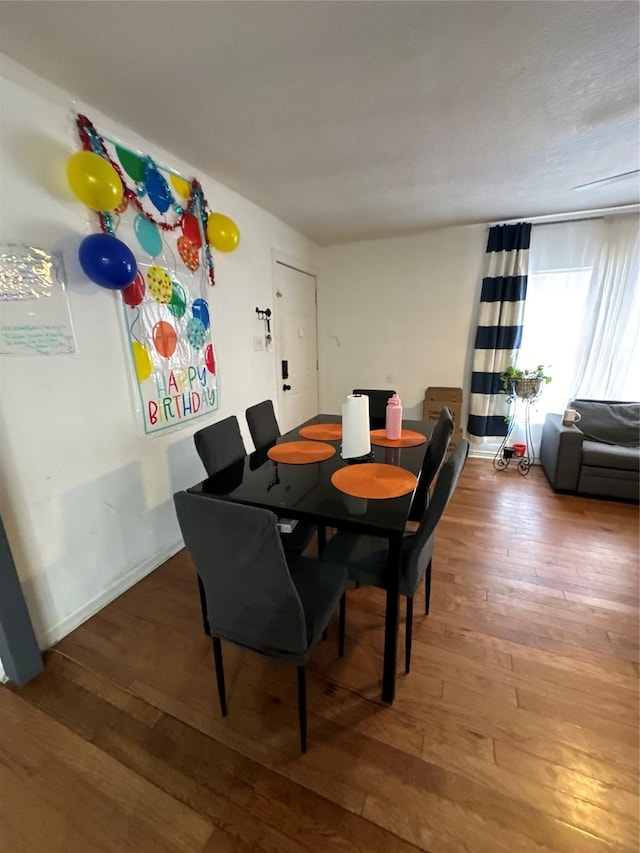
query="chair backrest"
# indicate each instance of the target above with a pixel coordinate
(263, 425)
(419, 548)
(220, 444)
(377, 403)
(251, 598)
(431, 463)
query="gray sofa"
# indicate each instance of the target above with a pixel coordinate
(598, 456)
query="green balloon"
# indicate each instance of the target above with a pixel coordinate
(133, 165)
(178, 302)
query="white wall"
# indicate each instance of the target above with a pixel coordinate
(399, 313)
(85, 496)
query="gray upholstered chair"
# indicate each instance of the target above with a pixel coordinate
(255, 597)
(365, 557)
(377, 405)
(433, 458)
(263, 425)
(220, 447)
(220, 444)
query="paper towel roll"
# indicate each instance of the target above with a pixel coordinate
(356, 440)
(356, 506)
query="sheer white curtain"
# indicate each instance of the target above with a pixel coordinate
(582, 312)
(561, 259)
(608, 364)
(583, 309)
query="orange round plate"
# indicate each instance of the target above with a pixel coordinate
(374, 480)
(322, 432)
(300, 452)
(408, 438)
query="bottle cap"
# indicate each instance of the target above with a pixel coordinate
(394, 400)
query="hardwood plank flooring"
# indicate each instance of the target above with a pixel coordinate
(516, 730)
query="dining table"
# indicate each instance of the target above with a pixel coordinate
(306, 492)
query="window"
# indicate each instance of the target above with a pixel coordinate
(581, 311)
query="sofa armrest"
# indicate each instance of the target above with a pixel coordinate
(561, 453)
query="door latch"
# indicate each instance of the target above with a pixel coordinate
(286, 387)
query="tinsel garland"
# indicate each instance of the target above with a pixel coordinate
(197, 205)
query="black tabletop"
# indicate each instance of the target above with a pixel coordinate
(306, 491)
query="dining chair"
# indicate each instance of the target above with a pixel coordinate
(365, 556)
(256, 597)
(263, 425)
(264, 431)
(220, 444)
(377, 404)
(433, 458)
(220, 447)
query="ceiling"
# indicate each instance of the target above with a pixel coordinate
(356, 120)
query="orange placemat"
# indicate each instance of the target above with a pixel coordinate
(300, 452)
(374, 480)
(322, 432)
(408, 438)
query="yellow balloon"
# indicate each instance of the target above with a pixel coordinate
(94, 181)
(182, 187)
(222, 232)
(142, 361)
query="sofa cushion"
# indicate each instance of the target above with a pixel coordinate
(596, 454)
(611, 474)
(609, 423)
(593, 481)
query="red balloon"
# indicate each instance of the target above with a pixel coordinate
(191, 229)
(134, 293)
(209, 359)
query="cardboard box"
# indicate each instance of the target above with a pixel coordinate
(436, 397)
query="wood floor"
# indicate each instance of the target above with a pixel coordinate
(517, 729)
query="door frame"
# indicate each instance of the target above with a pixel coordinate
(307, 268)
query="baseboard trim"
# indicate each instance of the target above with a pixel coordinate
(478, 453)
(54, 634)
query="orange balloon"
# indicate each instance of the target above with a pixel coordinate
(165, 338)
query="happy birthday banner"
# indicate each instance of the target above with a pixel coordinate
(155, 246)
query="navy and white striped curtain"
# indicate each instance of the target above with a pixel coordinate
(499, 333)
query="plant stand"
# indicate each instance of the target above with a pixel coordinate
(527, 390)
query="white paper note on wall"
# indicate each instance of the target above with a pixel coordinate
(34, 307)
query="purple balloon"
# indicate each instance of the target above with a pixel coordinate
(107, 261)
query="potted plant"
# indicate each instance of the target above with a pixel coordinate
(523, 383)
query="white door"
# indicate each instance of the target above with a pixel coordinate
(296, 345)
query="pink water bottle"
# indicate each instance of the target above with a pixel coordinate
(393, 421)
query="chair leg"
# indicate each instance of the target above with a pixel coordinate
(427, 589)
(217, 654)
(203, 607)
(408, 635)
(322, 538)
(302, 708)
(343, 621)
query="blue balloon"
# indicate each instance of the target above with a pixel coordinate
(157, 189)
(148, 235)
(107, 261)
(200, 311)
